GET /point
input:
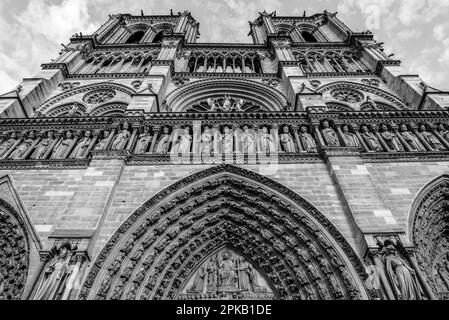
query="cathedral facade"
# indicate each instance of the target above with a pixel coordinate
(142, 164)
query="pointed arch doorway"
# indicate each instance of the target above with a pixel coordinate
(226, 233)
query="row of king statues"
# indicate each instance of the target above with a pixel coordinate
(209, 140)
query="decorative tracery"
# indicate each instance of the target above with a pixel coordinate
(224, 62)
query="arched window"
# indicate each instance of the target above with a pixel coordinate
(308, 37)
(158, 37)
(135, 37)
(257, 67)
(191, 65)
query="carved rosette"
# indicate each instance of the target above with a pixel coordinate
(14, 254)
(156, 252)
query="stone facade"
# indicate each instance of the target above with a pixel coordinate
(141, 164)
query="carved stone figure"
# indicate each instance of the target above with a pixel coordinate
(55, 276)
(81, 147)
(184, 142)
(212, 270)
(212, 104)
(23, 147)
(206, 146)
(443, 272)
(103, 142)
(164, 142)
(247, 276)
(391, 139)
(371, 139)
(226, 107)
(247, 141)
(402, 277)
(62, 146)
(198, 282)
(307, 140)
(43, 146)
(6, 145)
(443, 132)
(329, 135)
(351, 138)
(411, 139)
(227, 273)
(143, 141)
(228, 141)
(238, 105)
(266, 141)
(431, 139)
(122, 138)
(287, 141)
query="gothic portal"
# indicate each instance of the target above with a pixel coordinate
(144, 164)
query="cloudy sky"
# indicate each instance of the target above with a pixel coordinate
(417, 31)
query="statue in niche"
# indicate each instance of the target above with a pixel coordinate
(370, 139)
(266, 141)
(431, 139)
(206, 146)
(226, 272)
(43, 146)
(391, 139)
(402, 278)
(184, 142)
(143, 141)
(351, 138)
(198, 282)
(247, 141)
(6, 145)
(81, 147)
(307, 140)
(211, 269)
(23, 147)
(55, 276)
(103, 142)
(411, 139)
(287, 141)
(329, 135)
(164, 142)
(247, 276)
(228, 141)
(443, 132)
(62, 146)
(122, 138)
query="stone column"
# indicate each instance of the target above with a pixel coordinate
(357, 133)
(132, 140)
(14, 146)
(318, 136)
(95, 134)
(375, 129)
(58, 136)
(419, 136)
(420, 275)
(383, 278)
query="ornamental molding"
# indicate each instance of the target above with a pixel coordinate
(165, 276)
(358, 86)
(89, 87)
(273, 99)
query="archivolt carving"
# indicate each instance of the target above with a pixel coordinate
(90, 87)
(429, 225)
(159, 248)
(357, 86)
(183, 97)
(14, 253)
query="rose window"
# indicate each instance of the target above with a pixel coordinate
(99, 96)
(347, 95)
